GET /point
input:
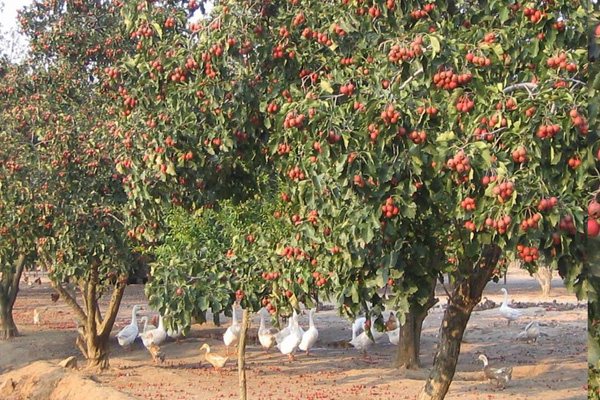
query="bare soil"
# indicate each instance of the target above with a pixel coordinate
(554, 368)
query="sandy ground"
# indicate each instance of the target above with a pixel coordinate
(555, 368)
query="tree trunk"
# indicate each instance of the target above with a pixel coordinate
(9, 288)
(242, 355)
(9, 329)
(94, 330)
(97, 353)
(465, 297)
(409, 345)
(544, 278)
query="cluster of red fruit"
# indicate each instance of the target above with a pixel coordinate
(531, 222)
(465, 104)
(373, 132)
(398, 53)
(359, 181)
(320, 280)
(504, 190)
(390, 115)
(417, 137)
(313, 217)
(177, 75)
(559, 26)
(271, 275)
(338, 30)
(468, 204)
(547, 131)
(418, 14)
(389, 209)
(578, 121)
(272, 108)
(283, 148)
(112, 72)
(190, 63)
(510, 104)
(568, 225)
(291, 252)
(501, 225)
(459, 162)
(470, 225)
(322, 38)
(528, 254)
(347, 89)
(534, 15)
(449, 80)
(278, 51)
(429, 110)
(266, 302)
(333, 137)
(347, 61)
(169, 22)
(547, 204)
(143, 30)
(239, 294)
(560, 62)
(477, 60)
(481, 133)
(298, 19)
(530, 111)
(574, 162)
(374, 12)
(293, 120)
(520, 155)
(296, 174)
(489, 37)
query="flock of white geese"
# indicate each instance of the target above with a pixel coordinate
(294, 338)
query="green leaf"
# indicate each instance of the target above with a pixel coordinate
(326, 86)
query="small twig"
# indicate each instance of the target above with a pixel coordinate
(410, 78)
(441, 279)
(116, 219)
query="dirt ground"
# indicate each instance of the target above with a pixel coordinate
(555, 368)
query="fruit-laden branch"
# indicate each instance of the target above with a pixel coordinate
(70, 301)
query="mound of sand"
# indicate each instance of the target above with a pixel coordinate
(42, 380)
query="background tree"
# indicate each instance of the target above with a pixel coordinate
(88, 239)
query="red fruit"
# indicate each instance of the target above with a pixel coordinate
(179, 291)
(288, 293)
(592, 228)
(594, 209)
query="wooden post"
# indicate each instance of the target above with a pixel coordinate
(242, 355)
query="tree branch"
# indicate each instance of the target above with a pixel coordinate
(91, 300)
(529, 86)
(70, 300)
(113, 310)
(411, 78)
(13, 289)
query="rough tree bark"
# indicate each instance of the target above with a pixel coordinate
(242, 355)
(544, 278)
(409, 345)
(465, 296)
(95, 329)
(9, 288)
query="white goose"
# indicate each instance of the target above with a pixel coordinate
(309, 338)
(361, 341)
(127, 335)
(290, 343)
(232, 334)
(358, 327)
(266, 336)
(393, 329)
(510, 314)
(147, 326)
(531, 332)
(156, 336)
